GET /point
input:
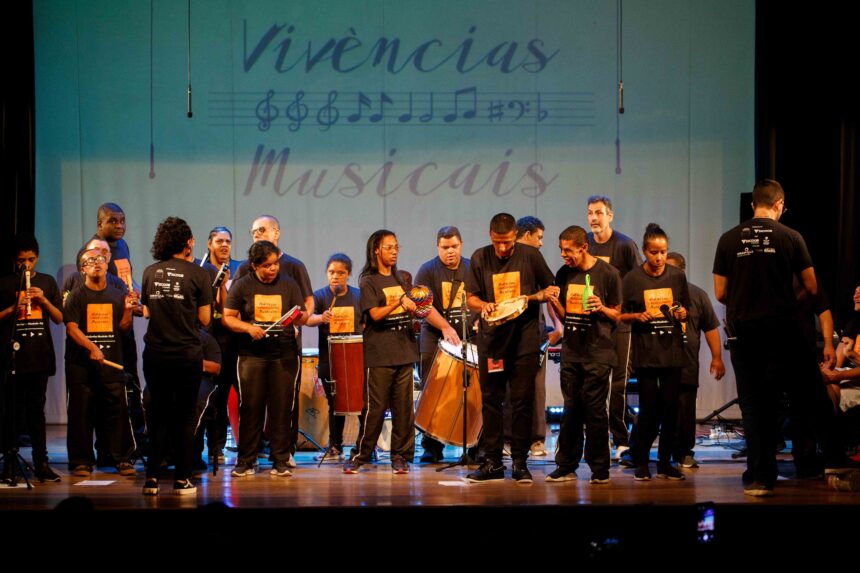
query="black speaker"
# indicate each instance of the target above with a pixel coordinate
(746, 210)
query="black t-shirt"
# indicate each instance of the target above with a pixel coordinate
(346, 319)
(657, 343)
(760, 257)
(289, 266)
(36, 355)
(588, 337)
(263, 304)
(173, 290)
(493, 279)
(621, 252)
(120, 258)
(440, 280)
(390, 341)
(700, 318)
(97, 314)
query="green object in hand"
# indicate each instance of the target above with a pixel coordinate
(586, 292)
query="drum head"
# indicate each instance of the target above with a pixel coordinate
(456, 351)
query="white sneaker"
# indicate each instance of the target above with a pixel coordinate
(538, 448)
(619, 451)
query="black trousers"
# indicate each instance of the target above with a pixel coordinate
(216, 421)
(519, 372)
(585, 388)
(388, 387)
(96, 399)
(658, 413)
(173, 387)
(618, 391)
(768, 359)
(266, 385)
(685, 441)
(27, 414)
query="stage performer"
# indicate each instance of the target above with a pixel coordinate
(390, 352)
(621, 252)
(445, 276)
(30, 303)
(96, 316)
(339, 315)
(590, 303)
(269, 357)
(507, 353)
(176, 297)
(655, 299)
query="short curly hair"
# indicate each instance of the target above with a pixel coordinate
(171, 238)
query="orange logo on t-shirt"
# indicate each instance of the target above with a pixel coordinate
(446, 295)
(342, 320)
(506, 286)
(100, 317)
(657, 297)
(573, 304)
(392, 295)
(267, 308)
(35, 308)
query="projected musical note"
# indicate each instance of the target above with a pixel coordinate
(296, 112)
(469, 113)
(427, 117)
(363, 102)
(328, 114)
(383, 99)
(266, 112)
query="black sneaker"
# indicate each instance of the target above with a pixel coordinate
(599, 479)
(281, 469)
(520, 472)
(184, 487)
(82, 470)
(351, 466)
(562, 474)
(489, 471)
(642, 473)
(626, 460)
(243, 469)
(399, 465)
(689, 462)
(150, 486)
(332, 454)
(670, 472)
(43, 472)
(125, 469)
(431, 457)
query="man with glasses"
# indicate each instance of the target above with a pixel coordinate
(96, 314)
(753, 270)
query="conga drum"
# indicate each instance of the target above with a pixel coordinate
(313, 406)
(439, 413)
(346, 358)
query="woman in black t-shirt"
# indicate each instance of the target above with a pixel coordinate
(655, 297)
(269, 360)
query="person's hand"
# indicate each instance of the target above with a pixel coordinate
(718, 369)
(450, 336)
(326, 316)
(256, 332)
(97, 355)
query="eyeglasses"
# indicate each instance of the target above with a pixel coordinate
(389, 248)
(93, 260)
(262, 230)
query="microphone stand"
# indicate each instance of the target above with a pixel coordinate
(465, 460)
(11, 457)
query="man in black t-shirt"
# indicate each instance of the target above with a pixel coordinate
(590, 302)
(508, 353)
(700, 318)
(31, 309)
(96, 316)
(621, 252)
(444, 275)
(753, 270)
(389, 355)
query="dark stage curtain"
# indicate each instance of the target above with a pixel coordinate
(17, 127)
(806, 133)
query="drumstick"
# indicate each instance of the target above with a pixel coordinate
(113, 365)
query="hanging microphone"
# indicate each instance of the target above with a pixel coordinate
(189, 101)
(621, 97)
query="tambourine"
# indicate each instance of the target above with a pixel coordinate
(507, 310)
